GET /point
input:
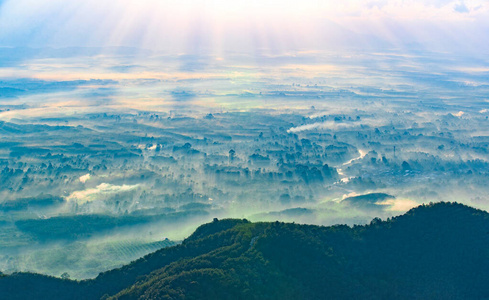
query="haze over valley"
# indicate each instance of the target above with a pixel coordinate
(143, 149)
(127, 125)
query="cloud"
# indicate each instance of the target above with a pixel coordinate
(100, 191)
(461, 8)
(398, 204)
(84, 178)
(331, 125)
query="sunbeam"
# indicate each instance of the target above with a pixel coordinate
(194, 26)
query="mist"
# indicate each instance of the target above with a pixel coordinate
(125, 125)
(263, 27)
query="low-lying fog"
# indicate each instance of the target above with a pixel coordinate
(105, 157)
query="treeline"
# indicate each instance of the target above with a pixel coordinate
(436, 251)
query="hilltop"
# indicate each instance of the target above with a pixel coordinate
(435, 251)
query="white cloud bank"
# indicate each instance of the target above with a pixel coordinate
(331, 125)
(84, 178)
(101, 191)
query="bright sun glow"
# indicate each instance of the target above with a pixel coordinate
(216, 26)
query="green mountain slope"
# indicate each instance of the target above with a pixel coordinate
(438, 251)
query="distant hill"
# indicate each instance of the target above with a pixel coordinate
(368, 201)
(436, 251)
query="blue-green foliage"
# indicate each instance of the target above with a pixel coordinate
(436, 251)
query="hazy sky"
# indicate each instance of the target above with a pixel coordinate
(191, 26)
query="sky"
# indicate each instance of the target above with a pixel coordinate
(275, 27)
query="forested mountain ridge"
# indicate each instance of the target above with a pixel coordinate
(436, 251)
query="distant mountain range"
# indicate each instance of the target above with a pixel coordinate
(435, 251)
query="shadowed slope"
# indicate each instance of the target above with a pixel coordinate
(439, 251)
